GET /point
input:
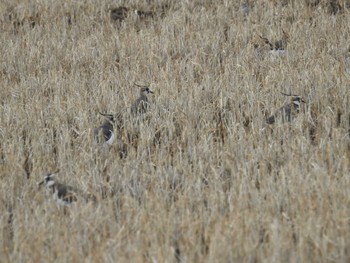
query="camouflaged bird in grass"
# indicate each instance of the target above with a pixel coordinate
(119, 13)
(63, 194)
(141, 104)
(105, 132)
(279, 44)
(287, 112)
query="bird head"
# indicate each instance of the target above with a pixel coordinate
(296, 99)
(144, 89)
(49, 179)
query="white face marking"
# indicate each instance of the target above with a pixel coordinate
(296, 102)
(110, 141)
(50, 183)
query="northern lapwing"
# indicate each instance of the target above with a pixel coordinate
(105, 132)
(274, 48)
(64, 195)
(279, 45)
(119, 14)
(287, 112)
(141, 105)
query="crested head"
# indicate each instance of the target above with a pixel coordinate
(297, 99)
(145, 90)
(48, 180)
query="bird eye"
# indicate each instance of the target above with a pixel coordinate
(48, 178)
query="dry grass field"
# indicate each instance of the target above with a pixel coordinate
(205, 178)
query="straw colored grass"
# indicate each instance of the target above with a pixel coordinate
(205, 178)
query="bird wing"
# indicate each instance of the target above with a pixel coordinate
(285, 111)
(140, 105)
(105, 131)
(66, 193)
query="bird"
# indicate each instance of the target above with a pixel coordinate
(278, 45)
(288, 111)
(64, 195)
(119, 13)
(105, 131)
(141, 105)
(274, 49)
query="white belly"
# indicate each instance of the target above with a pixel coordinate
(110, 140)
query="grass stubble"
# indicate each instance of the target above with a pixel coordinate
(205, 178)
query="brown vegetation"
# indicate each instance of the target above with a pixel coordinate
(200, 177)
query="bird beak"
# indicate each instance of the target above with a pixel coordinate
(302, 100)
(150, 91)
(40, 183)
